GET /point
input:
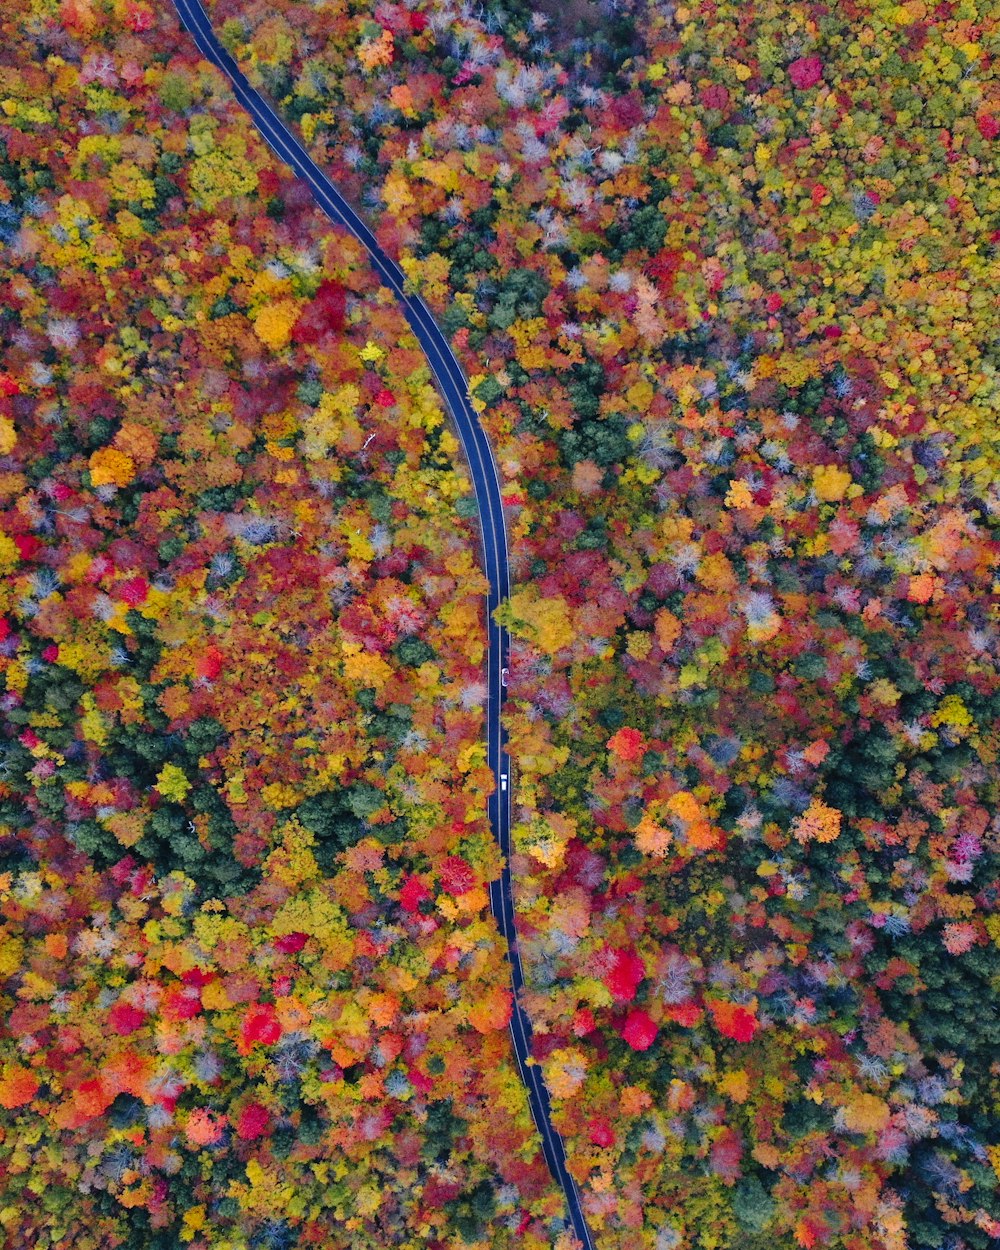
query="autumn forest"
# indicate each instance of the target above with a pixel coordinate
(722, 279)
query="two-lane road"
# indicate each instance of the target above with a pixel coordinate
(453, 387)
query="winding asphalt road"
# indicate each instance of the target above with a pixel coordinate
(453, 387)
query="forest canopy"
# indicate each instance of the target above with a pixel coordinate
(720, 278)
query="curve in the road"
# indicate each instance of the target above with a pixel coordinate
(454, 391)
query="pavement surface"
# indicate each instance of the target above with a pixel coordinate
(454, 391)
